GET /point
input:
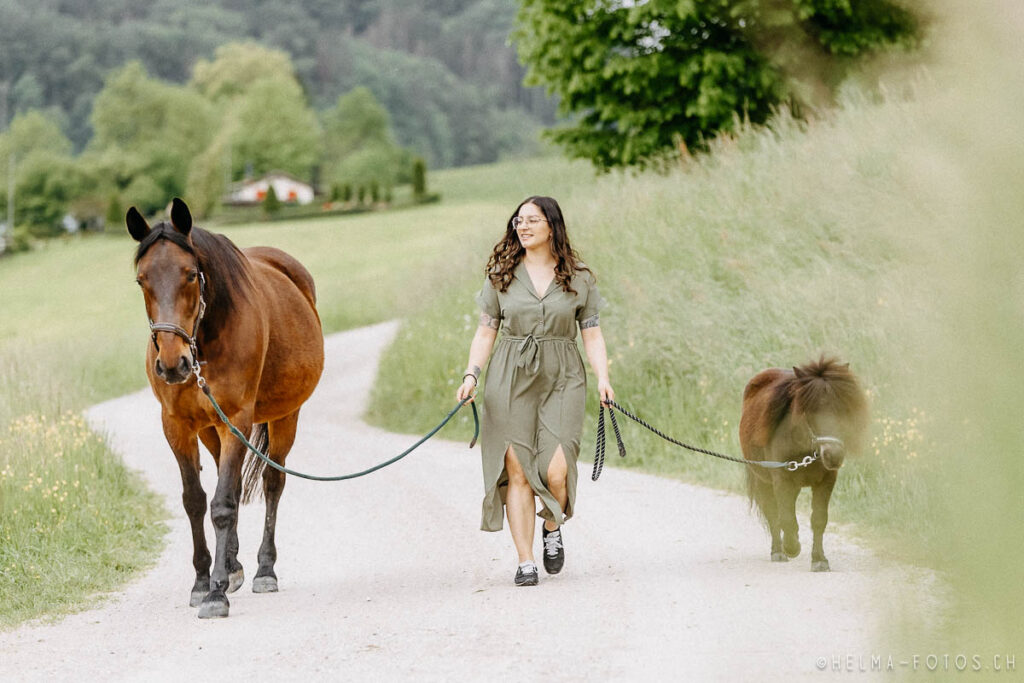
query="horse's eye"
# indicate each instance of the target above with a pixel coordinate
(138, 281)
(192, 276)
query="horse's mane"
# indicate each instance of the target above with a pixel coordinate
(225, 267)
(821, 385)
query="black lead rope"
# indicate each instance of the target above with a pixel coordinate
(600, 448)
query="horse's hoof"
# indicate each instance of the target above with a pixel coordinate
(779, 557)
(214, 609)
(235, 580)
(197, 598)
(264, 584)
(820, 566)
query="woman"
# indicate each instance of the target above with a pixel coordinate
(537, 292)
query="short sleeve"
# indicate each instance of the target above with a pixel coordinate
(592, 301)
(487, 300)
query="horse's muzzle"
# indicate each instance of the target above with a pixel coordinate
(179, 374)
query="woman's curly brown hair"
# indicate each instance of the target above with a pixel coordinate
(508, 252)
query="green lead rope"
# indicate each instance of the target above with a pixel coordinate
(341, 477)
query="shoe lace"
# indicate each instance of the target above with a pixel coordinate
(553, 543)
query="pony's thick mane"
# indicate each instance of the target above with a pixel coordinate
(822, 385)
(225, 267)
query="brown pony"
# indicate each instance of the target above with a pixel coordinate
(247, 320)
(816, 410)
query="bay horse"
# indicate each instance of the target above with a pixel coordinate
(817, 410)
(245, 319)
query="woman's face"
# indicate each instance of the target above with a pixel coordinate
(532, 227)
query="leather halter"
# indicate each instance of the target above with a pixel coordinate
(190, 339)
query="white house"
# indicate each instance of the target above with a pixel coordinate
(287, 189)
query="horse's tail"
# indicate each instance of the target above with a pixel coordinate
(252, 467)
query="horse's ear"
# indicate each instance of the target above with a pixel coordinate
(138, 228)
(798, 371)
(181, 217)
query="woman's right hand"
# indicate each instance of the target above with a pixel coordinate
(468, 389)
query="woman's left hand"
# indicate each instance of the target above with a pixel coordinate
(604, 391)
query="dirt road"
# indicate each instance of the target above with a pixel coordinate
(387, 577)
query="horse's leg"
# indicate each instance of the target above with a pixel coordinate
(236, 576)
(822, 493)
(786, 492)
(281, 435)
(224, 515)
(193, 499)
(211, 440)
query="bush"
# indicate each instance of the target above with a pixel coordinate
(271, 204)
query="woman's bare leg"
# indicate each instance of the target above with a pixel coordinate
(557, 473)
(520, 507)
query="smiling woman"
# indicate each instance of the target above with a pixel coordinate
(537, 291)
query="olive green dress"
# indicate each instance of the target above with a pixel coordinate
(534, 392)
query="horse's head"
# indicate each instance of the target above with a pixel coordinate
(172, 286)
(829, 401)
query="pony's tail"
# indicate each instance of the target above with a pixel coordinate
(752, 501)
(252, 467)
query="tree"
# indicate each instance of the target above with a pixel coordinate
(148, 133)
(276, 129)
(46, 179)
(419, 179)
(641, 77)
(271, 204)
(236, 66)
(358, 142)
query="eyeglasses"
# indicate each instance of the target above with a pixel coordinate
(531, 221)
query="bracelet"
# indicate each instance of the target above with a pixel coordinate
(470, 374)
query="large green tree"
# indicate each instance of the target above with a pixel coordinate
(642, 78)
(147, 134)
(46, 179)
(359, 146)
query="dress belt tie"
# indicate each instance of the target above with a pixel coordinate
(529, 348)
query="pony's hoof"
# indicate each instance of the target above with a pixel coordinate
(779, 557)
(264, 584)
(235, 580)
(820, 566)
(216, 608)
(197, 598)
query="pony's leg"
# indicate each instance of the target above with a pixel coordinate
(786, 492)
(193, 498)
(281, 435)
(821, 494)
(764, 497)
(224, 515)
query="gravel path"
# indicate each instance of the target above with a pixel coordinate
(387, 577)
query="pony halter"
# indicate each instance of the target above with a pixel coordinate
(180, 331)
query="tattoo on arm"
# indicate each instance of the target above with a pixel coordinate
(487, 321)
(475, 370)
(592, 321)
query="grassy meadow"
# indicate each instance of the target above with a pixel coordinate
(885, 233)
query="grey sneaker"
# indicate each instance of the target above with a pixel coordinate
(527, 574)
(554, 550)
